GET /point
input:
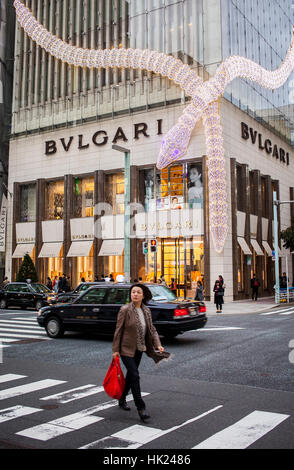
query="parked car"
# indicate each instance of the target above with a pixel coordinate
(64, 297)
(96, 310)
(22, 294)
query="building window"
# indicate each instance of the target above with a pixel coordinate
(54, 200)
(28, 203)
(83, 197)
(240, 190)
(240, 268)
(115, 192)
(264, 198)
(175, 187)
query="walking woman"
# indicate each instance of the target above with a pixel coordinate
(134, 334)
(218, 296)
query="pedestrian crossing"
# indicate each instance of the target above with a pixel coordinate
(285, 311)
(20, 329)
(239, 434)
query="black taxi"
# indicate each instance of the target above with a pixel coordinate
(96, 310)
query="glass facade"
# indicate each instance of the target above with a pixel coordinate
(261, 31)
(182, 259)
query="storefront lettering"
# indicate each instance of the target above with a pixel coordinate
(25, 239)
(276, 152)
(99, 138)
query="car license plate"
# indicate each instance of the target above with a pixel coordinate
(193, 311)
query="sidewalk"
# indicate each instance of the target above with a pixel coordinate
(242, 306)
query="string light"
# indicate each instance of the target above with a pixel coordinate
(204, 100)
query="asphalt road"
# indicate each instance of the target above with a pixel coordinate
(234, 376)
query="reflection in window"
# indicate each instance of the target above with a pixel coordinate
(54, 200)
(28, 203)
(83, 197)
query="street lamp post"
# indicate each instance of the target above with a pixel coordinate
(127, 241)
(276, 246)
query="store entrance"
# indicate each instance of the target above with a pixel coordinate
(180, 259)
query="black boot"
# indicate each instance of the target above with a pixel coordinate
(123, 404)
(143, 415)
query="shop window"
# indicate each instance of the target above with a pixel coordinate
(240, 269)
(115, 192)
(253, 194)
(240, 189)
(118, 296)
(195, 185)
(55, 266)
(264, 198)
(85, 267)
(173, 187)
(54, 200)
(83, 197)
(28, 203)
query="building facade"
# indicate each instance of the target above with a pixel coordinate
(68, 184)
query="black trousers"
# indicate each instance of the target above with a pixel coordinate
(254, 293)
(133, 379)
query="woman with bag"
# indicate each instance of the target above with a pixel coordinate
(199, 292)
(218, 296)
(134, 334)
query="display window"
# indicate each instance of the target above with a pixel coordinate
(27, 203)
(83, 197)
(175, 187)
(55, 266)
(114, 192)
(85, 267)
(54, 200)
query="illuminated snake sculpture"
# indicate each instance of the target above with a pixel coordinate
(204, 100)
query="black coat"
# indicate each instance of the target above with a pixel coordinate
(218, 295)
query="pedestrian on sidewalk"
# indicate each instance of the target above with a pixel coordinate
(218, 296)
(135, 334)
(254, 286)
(199, 292)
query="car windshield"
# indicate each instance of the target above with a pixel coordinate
(40, 288)
(161, 293)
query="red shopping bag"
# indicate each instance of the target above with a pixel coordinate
(114, 382)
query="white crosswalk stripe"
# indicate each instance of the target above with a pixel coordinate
(134, 437)
(9, 377)
(75, 393)
(245, 432)
(239, 435)
(284, 311)
(16, 412)
(72, 422)
(27, 388)
(20, 328)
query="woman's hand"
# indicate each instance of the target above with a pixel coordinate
(115, 354)
(161, 349)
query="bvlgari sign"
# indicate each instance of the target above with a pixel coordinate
(267, 145)
(99, 138)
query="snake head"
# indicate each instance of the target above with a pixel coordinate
(174, 145)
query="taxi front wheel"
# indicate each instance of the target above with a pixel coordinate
(54, 328)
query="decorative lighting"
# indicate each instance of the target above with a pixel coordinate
(204, 100)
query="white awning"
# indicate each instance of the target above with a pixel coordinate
(245, 248)
(112, 248)
(81, 248)
(256, 247)
(23, 248)
(50, 250)
(267, 248)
